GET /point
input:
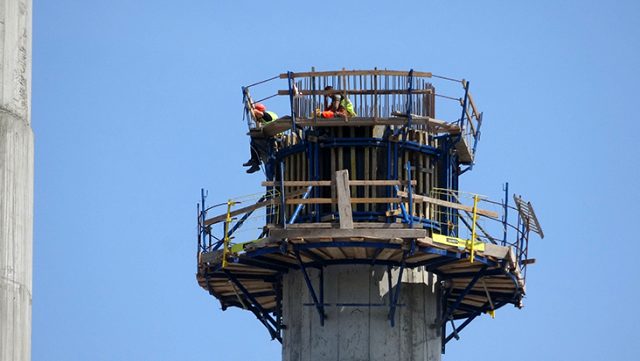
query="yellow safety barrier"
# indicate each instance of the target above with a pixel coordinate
(227, 239)
(239, 247)
(462, 244)
(473, 227)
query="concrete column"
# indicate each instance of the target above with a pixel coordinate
(16, 180)
(359, 332)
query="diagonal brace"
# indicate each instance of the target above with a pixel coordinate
(263, 316)
(462, 295)
(456, 330)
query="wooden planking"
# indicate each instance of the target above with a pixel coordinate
(374, 172)
(326, 183)
(464, 151)
(347, 233)
(225, 284)
(319, 252)
(352, 162)
(421, 257)
(232, 290)
(335, 252)
(352, 200)
(367, 175)
(333, 177)
(360, 225)
(281, 258)
(348, 73)
(238, 211)
(387, 253)
(283, 124)
(344, 199)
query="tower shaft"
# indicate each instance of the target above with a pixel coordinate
(357, 303)
(16, 181)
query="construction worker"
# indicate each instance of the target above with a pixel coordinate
(262, 115)
(330, 108)
(259, 147)
(340, 105)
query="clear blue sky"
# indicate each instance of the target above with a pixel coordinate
(137, 105)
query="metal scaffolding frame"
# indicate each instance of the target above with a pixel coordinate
(443, 149)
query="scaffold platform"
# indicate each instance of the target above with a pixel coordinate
(377, 186)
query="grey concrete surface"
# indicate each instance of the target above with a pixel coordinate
(16, 181)
(356, 333)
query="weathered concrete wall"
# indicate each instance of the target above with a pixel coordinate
(361, 333)
(16, 180)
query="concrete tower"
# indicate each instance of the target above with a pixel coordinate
(366, 247)
(16, 180)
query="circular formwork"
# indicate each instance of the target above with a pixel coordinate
(380, 238)
(318, 265)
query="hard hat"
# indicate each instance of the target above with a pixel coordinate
(260, 107)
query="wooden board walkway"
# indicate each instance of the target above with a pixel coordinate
(319, 243)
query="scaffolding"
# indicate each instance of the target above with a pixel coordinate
(376, 188)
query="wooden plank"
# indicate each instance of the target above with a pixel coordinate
(420, 74)
(326, 183)
(387, 253)
(353, 200)
(361, 253)
(334, 252)
(496, 251)
(352, 162)
(333, 179)
(346, 233)
(252, 207)
(421, 257)
(359, 225)
(238, 211)
(367, 175)
(283, 124)
(464, 152)
(282, 258)
(418, 197)
(374, 172)
(357, 92)
(428, 121)
(344, 199)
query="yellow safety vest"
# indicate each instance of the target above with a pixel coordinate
(273, 115)
(348, 106)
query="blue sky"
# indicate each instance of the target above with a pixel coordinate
(137, 105)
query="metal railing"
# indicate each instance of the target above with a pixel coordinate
(476, 217)
(246, 214)
(374, 94)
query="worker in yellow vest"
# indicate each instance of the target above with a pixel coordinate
(340, 106)
(262, 115)
(259, 147)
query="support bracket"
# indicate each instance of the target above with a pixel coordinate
(456, 330)
(261, 314)
(460, 297)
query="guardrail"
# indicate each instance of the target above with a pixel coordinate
(374, 94)
(471, 218)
